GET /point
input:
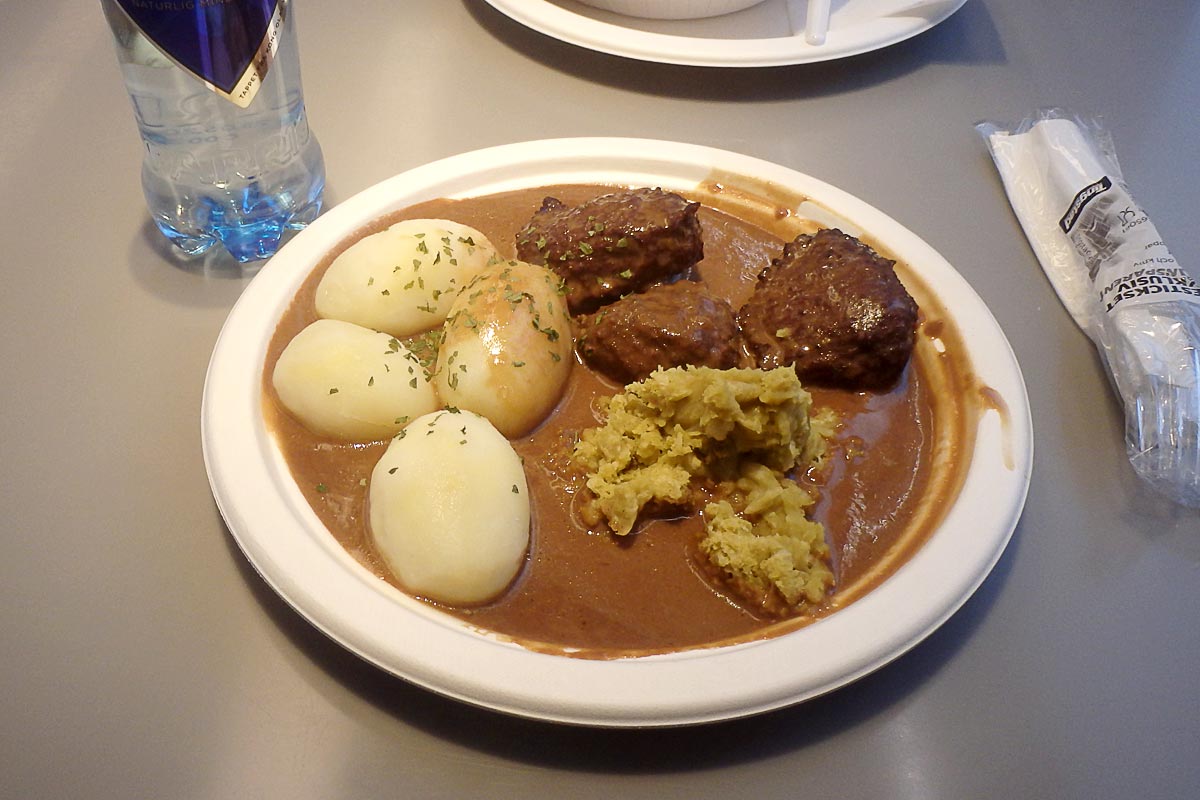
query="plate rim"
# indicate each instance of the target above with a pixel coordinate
(574, 28)
(653, 691)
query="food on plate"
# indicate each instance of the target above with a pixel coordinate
(724, 441)
(683, 429)
(449, 508)
(834, 309)
(763, 546)
(349, 382)
(614, 244)
(668, 325)
(506, 350)
(403, 279)
(750, 504)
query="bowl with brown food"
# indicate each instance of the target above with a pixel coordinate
(685, 434)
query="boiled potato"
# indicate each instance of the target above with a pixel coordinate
(449, 508)
(402, 280)
(350, 382)
(506, 350)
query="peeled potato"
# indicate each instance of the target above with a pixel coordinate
(403, 279)
(350, 382)
(449, 508)
(506, 350)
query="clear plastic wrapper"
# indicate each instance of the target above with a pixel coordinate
(1116, 277)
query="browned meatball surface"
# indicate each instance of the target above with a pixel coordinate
(670, 325)
(613, 245)
(834, 308)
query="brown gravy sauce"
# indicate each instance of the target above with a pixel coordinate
(895, 467)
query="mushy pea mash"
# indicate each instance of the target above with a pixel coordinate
(741, 430)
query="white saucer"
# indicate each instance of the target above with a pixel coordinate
(299, 558)
(760, 36)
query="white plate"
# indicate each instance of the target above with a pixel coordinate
(760, 36)
(297, 556)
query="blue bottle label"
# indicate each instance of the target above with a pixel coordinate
(228, 44)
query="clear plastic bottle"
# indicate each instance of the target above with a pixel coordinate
(215, 171)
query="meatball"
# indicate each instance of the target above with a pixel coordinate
(670, 325)
(834, 308)
(613, 245)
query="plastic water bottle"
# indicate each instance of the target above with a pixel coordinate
(216, 92)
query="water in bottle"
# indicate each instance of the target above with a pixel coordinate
(217, 96)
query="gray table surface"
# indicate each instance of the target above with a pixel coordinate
(143, 657)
